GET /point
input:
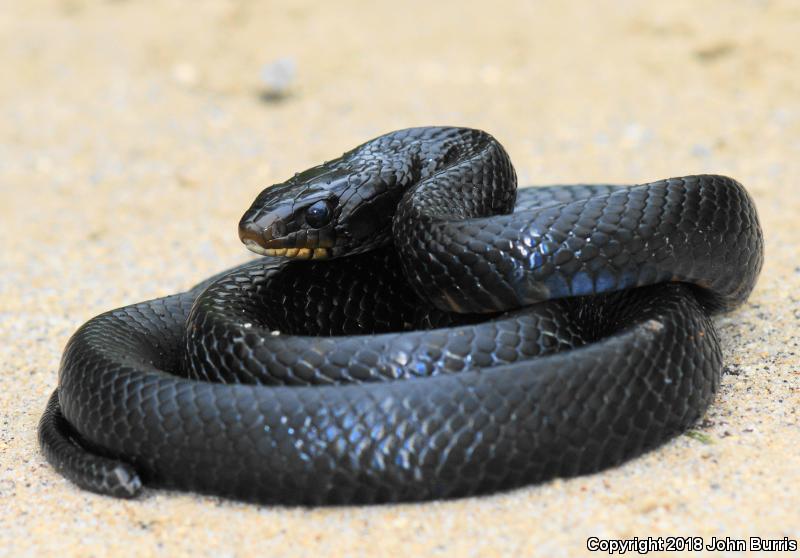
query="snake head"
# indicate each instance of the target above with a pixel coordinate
(324, 212)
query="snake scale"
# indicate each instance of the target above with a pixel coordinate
(418, 329)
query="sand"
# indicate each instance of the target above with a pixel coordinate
(134, 134)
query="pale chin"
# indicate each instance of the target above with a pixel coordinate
(253, 246)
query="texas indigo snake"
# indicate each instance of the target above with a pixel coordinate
(476, 338)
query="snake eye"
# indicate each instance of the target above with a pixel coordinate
(319, 214)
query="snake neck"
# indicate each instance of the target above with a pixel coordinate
(413, 177)
(477, 182)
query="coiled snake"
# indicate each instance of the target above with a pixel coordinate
(475, 338)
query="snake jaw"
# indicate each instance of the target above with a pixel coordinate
(297, 253)
(291, 253)
(254, 246)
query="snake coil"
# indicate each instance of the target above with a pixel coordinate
(475, 338)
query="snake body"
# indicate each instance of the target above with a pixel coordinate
(447, 335)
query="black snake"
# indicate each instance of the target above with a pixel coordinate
(476, 338)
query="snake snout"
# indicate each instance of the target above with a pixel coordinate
(260, 235)
(253, 236)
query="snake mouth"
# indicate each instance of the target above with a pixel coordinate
(298, 253)
(292, 253)
(273, 241)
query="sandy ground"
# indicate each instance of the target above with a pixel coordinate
(133, 135)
